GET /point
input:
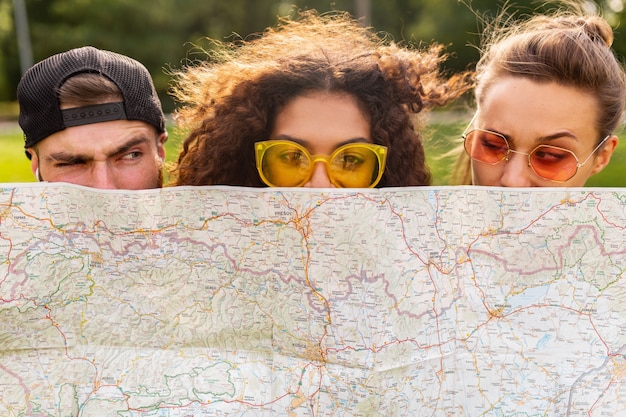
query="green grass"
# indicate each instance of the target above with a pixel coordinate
(14, 166)
(439, 140)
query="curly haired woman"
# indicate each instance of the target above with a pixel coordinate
(317, 101)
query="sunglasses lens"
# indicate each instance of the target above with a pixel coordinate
(285, 165)
(354, 166)
(486, 147)
(553, 163)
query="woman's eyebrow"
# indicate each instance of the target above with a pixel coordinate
(558, 135)
(552, 136)
(306, 144)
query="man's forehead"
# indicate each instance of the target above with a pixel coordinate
(103, 138)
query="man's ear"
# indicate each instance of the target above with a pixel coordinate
(603, 156)
(161, 145)
(34, 163)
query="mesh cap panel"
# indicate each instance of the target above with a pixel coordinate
(40, 113)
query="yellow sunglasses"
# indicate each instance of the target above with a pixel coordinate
(283, 163)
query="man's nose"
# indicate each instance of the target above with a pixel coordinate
(102, 176)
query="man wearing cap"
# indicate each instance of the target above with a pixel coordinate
(93, 118)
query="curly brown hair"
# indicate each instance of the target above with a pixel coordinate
(230, 101)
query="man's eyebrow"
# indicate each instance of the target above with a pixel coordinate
(72, 158)
(136, 141)
(67, 157)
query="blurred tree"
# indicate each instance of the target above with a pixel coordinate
(9, 62)
(162, 33)
(615, 13)
(153, 32)
(158, 33)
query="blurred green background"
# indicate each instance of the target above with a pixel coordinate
(166, 34)
(162, 34)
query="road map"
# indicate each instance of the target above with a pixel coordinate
(225, 301)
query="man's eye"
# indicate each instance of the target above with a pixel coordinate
(66, 164)
(132, 155)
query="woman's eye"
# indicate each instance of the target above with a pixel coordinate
(292, 157)
(550, 154)
(351, 161)
(494, 144)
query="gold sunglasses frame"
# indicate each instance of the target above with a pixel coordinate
(261, 148)
(579, 164)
